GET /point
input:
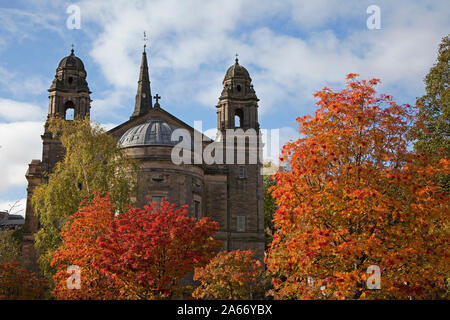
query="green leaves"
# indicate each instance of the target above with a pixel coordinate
(433, 126)
(92, 162)
(9, 246)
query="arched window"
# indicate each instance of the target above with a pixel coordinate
(238, 118)
(70, 114)
(69, 111)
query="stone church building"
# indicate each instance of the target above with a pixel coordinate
(229, 193)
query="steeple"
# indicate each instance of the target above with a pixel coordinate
(143, 96)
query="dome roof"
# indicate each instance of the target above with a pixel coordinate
(237, 71)
(71, 62)
(154, 131)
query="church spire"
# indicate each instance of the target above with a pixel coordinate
(143, 95)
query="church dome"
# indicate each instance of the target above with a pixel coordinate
(154, 131)
(237, 71)
(71, 62)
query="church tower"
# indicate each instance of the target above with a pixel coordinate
(238, 104)
(144, 95)
(69, 92)
(69, 98)
(237, 121)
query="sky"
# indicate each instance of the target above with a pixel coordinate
(291, 49)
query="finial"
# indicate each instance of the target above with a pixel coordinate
(236, 60)
(71, 51)
(157, 97)
(145, 40)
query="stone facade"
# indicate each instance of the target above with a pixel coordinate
(231, 194)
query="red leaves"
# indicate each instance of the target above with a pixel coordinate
(140, 254)
(156, 247)
(351, 76)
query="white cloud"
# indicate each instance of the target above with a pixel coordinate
(20, 143)
(112, 101)
(11, 110)
(190, 40)
(274, 139)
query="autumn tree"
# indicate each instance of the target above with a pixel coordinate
(231, 275)
(9, 246)
(16, 283)
(149, 251)
(433, 125)
(270, 205)
(92, 162)
(80, 248)
(355, 196)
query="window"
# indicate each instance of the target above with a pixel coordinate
(237, 121)
(69, 110)
(197, 209)
(70, 114)
(241, 172)
(157, 200)
(240, 224)
(238, 118)
(238, 87)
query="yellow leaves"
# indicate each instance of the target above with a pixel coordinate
(232, 275)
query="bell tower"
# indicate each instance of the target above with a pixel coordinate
(238, 129)
(238, 104)
(69, 98)
(69, 92)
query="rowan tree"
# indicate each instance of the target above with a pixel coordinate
(270, 205)
(230, 276)
(354, 196)
(92, 162)
(149, 251)
(79, 248)
(16, 283)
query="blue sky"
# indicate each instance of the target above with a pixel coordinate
(290, 47)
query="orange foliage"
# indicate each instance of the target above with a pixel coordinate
(355, 196)
(230, 275)
(79, 247)
(16, 283)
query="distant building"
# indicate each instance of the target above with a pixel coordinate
(10, 221)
